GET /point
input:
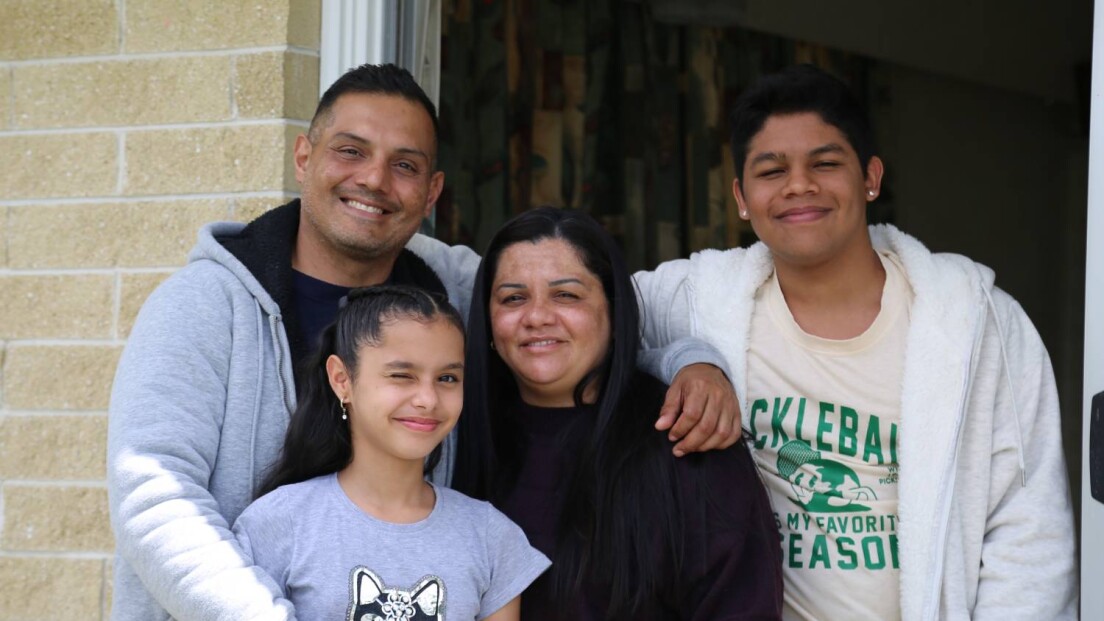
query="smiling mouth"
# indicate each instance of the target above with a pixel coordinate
(802, 214)
(369, 209)
(419, 424)
(541, 343)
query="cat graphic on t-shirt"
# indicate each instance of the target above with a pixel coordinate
(373, 601)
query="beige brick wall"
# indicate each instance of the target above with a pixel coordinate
(124, 126)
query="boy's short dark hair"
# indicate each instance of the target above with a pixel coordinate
(798, 89)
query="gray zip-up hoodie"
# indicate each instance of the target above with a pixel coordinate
(199, 408)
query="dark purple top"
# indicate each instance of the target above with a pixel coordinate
(732, 564)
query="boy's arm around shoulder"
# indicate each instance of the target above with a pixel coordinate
(164, 429)
(1029, 555)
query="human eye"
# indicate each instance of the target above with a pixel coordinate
(407, 167)
(511, 299)
(348, 152)
(399, 376)
(827, 164)
(770, 173)
(449, 378)
(568, 296)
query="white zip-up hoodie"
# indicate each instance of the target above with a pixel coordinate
(986, 524)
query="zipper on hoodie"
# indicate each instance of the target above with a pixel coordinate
(945, 508)
(274, 326)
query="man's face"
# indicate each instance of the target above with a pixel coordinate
(367, 178)
(804, 190)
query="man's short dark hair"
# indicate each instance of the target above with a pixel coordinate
(374, 79)
(798, 89)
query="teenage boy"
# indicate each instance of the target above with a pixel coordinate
(902, 408)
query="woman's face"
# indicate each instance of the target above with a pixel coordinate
(549, 320)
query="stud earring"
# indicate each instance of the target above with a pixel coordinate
(743, 214)
(344, 412)
(871, 193)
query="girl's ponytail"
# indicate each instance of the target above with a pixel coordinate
(317, 440)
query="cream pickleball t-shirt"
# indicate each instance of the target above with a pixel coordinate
(826, 421)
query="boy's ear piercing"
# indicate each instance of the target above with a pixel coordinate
(871, 193)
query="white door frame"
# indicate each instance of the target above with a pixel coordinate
(404, 32)
(1092, 510)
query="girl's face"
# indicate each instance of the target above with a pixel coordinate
(408, 390)
(549, 319)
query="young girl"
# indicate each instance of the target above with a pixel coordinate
(352, 530)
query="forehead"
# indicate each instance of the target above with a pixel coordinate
(416, 341)
(377, 113)
(548, 257)
(796, 133)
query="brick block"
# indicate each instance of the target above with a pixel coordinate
(276, 84)
(135, 289)
(248, 209)
(59, 377)
(57, 28)
(146, 234)
(5, 98)
(131, 92)
(42, 166)
(305, 24)
(50, 588)
(77, 447)
(220, 159)
(3, 237)
(109, 588)
(169, 25)
(56, 519)
(70, 306)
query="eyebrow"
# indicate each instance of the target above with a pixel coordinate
(551, 283)
(771, 156)
(361, 140)
(403, 364)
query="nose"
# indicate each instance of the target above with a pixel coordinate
(800, 182)
(539, 313)
(374, 175)
(425, 397)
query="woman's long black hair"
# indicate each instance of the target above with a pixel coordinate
(620, 514)
(318, 440)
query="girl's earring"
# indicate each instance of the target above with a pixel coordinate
(344, 412)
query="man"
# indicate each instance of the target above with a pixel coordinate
(205, 387)
(910, 400)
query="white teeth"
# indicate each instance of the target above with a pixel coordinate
(363, 207)
(541, 343)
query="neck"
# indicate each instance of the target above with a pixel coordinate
(390, 489)
(318, 259)
(837, 299)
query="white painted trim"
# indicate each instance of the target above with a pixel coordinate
(354, 32)
(1092, 511)
(405, 32)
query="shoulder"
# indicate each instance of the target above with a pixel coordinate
(289, 500)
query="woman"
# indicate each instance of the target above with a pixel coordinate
(557, 433)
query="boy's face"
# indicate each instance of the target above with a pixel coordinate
(804, 190)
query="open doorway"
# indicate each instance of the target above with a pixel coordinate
(620, 108)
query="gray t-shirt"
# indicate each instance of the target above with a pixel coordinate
(464, 561)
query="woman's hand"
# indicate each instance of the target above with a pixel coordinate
(701, 410)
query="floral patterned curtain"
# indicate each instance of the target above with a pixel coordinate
(591, 104)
